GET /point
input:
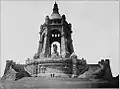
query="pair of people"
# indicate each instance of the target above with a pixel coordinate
(52, 75)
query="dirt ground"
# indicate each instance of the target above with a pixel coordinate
(42, 82)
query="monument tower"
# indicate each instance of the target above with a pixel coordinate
(55, 29)
(49, 62)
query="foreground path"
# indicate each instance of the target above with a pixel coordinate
(41, 82)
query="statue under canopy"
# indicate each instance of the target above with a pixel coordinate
(55, 53)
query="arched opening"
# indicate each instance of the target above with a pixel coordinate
(55, 38)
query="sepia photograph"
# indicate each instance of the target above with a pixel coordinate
(59, 44)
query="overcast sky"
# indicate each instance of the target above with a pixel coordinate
(95, 26)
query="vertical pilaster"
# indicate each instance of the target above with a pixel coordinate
(47, 46)
(71, 46)
(62, 44)
(64, 51)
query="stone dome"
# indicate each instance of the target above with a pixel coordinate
(55, 16)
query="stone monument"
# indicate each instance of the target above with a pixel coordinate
(57, 64)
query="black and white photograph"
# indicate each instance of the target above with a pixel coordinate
(59, 44)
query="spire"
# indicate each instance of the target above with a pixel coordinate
(55, 8)
(55, 14)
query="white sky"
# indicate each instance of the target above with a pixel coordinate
(95, 26)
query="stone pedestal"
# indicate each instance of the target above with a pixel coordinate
(74, 67)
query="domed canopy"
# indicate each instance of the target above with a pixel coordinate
(55, 14)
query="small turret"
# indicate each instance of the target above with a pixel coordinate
(63, 17)
(47, 19)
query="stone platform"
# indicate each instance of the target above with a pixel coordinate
(47, 66)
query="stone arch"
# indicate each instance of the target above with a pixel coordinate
(55, 38)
